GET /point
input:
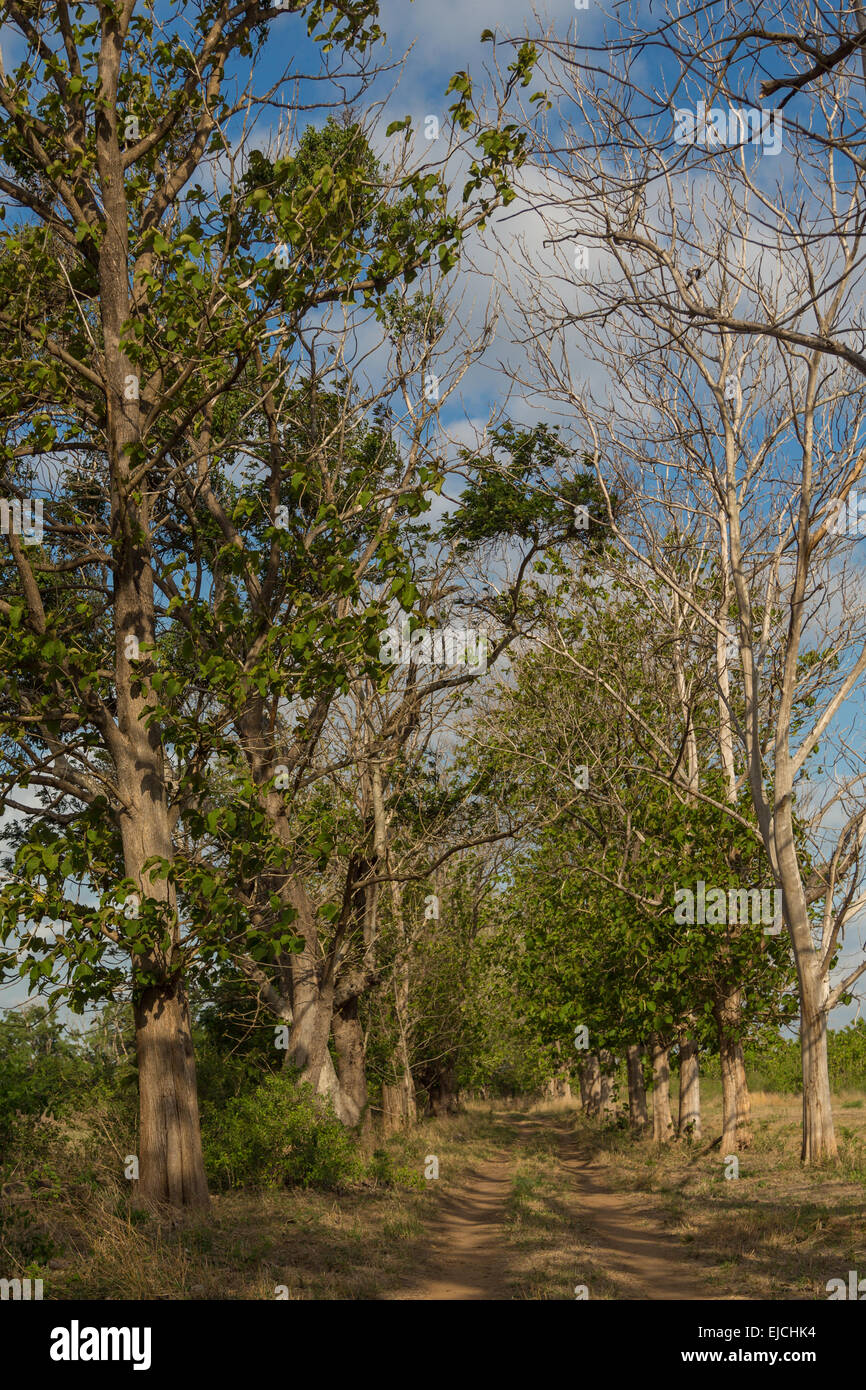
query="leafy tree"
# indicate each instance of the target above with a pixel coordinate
(135, 307)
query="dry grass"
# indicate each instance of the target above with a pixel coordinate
(357, 1243)
(314, 1245)
(776, 1231)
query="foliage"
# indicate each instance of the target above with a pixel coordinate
(277, 1134)
(43, 1070)
(775, 1063)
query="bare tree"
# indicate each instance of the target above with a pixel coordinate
(723, 316)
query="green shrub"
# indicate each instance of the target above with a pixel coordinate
(386, 1172)
(41, 1070)
(847, 1049)
(24, 1240)
(279, 1134)
(776, 1065)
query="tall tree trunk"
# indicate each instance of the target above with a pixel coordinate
(590, 1085)
(393, 1108)
(636, 1090)
(312, 1006)
(689, 1126)
(443, 1094)
(351, 1065)
(819, 1140)
(819, 1137)
(663, 1124)
(583, 1080)
(736, 1101)
(607, 1085)
(312, 1009)
(401, 1062)
(171, 1164)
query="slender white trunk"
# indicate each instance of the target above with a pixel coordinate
(689, 1126)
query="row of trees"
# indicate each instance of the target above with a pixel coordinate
(197, 728)
(225, 773)
(717, 282)
(601, 958)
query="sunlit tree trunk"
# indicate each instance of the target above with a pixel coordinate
(736, 1102)
(663, 1124)
(689, 1126)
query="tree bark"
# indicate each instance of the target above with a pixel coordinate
(590, 1085)
(171, 1165)
(312, 1010)
(351, 1065)
(736, 1101)
(443, 1094)
(607, 1102)
(663, 1124)
(393, 1107)
(402, 1060)
(819, 1140)
(557, 1087)
(636, 1090)
(583, 1080)
(689, 1126)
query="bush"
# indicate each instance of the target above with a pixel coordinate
(41, 1071)
(776, 1066)
(848, 1056)
(385, 1172)
(279, 1134)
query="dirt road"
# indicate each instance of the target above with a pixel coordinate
(471, 1257)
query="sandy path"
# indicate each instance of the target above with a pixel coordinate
(470, 1258)
(469, 1254)
(627, 1240)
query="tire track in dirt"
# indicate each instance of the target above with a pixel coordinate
(471, 1259)
(627, 1240)
(470, 1256)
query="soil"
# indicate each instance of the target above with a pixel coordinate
(470, 1255)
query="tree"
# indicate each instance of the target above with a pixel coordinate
(606, 954)
(738, 429)
(133, 304)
